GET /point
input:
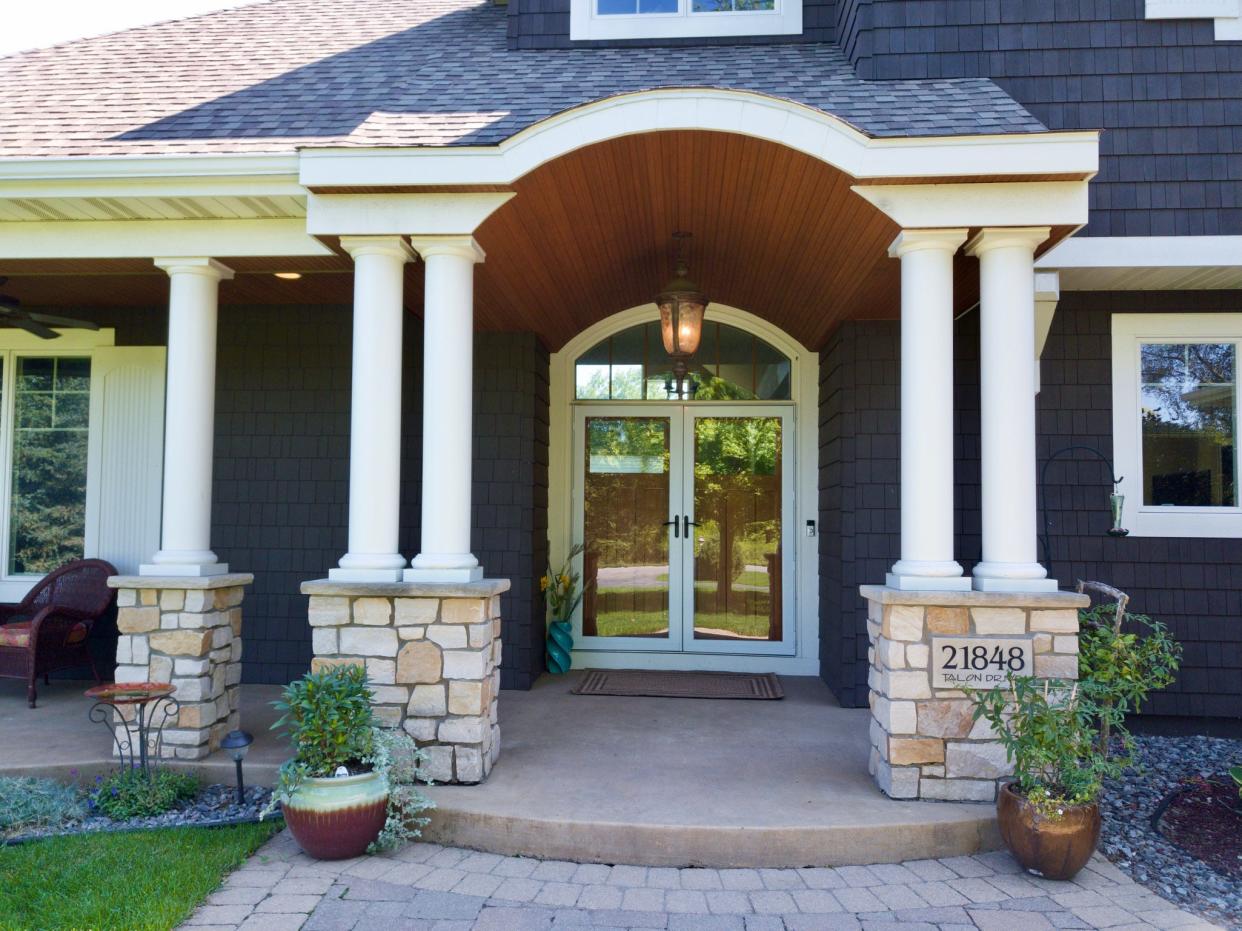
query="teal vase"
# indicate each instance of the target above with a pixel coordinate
(560, 647)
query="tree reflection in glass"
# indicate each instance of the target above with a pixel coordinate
(1188, 424)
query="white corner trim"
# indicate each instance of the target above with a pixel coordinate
(585, 23)
(104, 239)
(1128, 332)
(793, 125)
(378, 214)
(991, 204)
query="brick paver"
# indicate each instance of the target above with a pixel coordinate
(426, 887)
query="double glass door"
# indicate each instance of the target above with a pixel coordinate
(685, 513)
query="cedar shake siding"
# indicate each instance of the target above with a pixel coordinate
(1167, 94)
(1193, 585)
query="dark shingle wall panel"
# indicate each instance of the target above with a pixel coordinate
(1167, 94)
(1193, 585)
(859, 506)
(281, 479)
(281, 488)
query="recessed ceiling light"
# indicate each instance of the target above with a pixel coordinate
(289, 276)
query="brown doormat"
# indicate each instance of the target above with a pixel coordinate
(665, 684)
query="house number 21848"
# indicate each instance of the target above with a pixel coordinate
(978, 662)
(979, 657)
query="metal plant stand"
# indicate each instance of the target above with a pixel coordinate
(143, 735)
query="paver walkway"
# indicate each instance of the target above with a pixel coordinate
(426, 887)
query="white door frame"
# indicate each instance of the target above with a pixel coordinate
(804, 393)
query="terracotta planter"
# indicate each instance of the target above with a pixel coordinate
(334, 819)
(1052, 849)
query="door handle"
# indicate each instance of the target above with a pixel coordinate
(674, 523)
(688, 524)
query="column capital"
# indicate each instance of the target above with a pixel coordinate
(195, 265)
(394, 246)
(462, 246)
(948, 240)
(1001, 237)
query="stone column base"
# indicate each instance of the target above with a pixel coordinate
(432, 654)
(185, 630)
(924, 741)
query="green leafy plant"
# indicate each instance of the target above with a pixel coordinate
(1049, 729)
(1122, 660)
(132, 793)
(27, 804)
(1235, 773)
(328, 720)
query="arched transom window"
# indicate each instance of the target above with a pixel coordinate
(731, 365)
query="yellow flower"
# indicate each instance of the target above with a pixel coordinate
(543, 583)
(565, 581)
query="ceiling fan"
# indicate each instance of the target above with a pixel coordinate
(12, 315)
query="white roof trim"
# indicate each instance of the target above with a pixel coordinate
(1145, 263)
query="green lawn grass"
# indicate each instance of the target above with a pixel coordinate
(134, 881)
(648, 623)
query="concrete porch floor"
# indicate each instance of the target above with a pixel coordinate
(662, 782)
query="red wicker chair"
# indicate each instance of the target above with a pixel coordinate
(50, 628)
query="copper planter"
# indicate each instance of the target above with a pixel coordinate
(334, 819)
(1052, 849)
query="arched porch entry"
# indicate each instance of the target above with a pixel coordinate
(699, 517)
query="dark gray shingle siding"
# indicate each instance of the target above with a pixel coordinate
(1167, 94)
(1193, 585)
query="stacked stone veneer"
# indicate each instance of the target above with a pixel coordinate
(432, 655)
(187, 631)
(924, 741)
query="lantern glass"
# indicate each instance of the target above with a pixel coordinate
(681, 324)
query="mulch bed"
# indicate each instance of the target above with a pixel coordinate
(1204, 818)
(1160, 829)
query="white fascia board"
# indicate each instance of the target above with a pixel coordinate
(793, 125)
(402, 214)
(102, 239)
(1144, 252)
(1008, 203)
(151, 176)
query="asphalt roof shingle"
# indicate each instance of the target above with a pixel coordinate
(278, 75)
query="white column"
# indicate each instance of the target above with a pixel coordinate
(189, 419)
(448, 395)
(375, 411)
(1007, 406)
(927, 412)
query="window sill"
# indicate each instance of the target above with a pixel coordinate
(585, 25)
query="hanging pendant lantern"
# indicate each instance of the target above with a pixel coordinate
(682, 307)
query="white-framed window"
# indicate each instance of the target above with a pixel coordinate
(1175, 422)
(81, 444)
(668, 19)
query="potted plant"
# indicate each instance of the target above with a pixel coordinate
(351, 785)
(1049, 815)
(563, 594)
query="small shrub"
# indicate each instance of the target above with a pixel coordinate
(131, 793)
(1049, 730)
(328, 719)
(1235, 773)
(27, 804)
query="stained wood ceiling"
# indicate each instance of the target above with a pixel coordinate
(775, 232)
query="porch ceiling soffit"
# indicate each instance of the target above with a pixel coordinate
(1147, 263)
